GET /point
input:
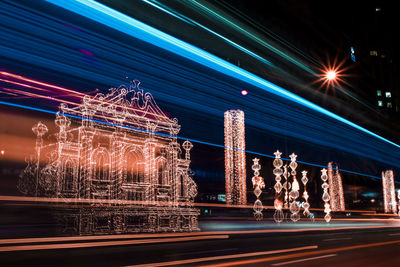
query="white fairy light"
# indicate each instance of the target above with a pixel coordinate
(306, 204)
(278, 204)
(123, 159)
(258, 184)
(398, 197)
(294, 193)
(325, 195)
(335, 188)
(389, 194)
(235, 158)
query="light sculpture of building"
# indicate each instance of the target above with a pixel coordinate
(335, 188)
(235, 158)
(389, 194)
(120, 151)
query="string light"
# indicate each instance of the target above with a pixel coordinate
(258, 184)
(325, 195)
(335, 188)
(278, 204)
(389, 194)
(294, 193)
(306, 205)
(101, 162)
(235, 158)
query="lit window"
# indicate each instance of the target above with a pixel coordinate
(373, 53)
(389, 105)
(388, 94)
(378, 92)
(380, 104)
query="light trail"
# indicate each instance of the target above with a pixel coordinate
(109, 243)
(121, 22)
(305, 259)
(225, 257)
(303, 254)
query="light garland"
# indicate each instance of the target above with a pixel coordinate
(235, 158)
(294, 193)
(258, 184)
(398, 197)
(278, 204)
(335, 188)
(389, 194)
(325, 195)
(306, 205)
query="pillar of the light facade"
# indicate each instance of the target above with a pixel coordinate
(235, 158)
(335, 188)
(389, 194)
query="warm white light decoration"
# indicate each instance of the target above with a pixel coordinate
(398, 197)
(122, 159)
(286, 186)
(325, 195)
(278, 204)
(389, 194)
(306, 205)
(258, 184)
(235, 158)
(294, 193)
(335, 188)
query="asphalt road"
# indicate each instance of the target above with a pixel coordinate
(366, 247)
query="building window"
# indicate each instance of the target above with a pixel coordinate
(135, 167)
(388, 94)
(373, 53)
(378, 92)
(380, 104)
(389, 105)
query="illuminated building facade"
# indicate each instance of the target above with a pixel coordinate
(235, 158)
(120, 151)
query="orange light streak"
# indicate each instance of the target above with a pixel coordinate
(109, 243)
(303, 254)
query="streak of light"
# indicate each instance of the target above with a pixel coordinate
(110, 243)
(41, 83)
(335, 239)
(233, 256)
(303, 254)
(302, 260)
(234, 44)
(252, 36)
(183, 138)
(137, 202)
(121, 22)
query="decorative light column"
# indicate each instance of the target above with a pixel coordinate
(335, 188)
(398, 197)
(294, 193)
(325, 195)
(258, 184)
(235, 158)
(278, 204)
(306, 205)
(389, 194)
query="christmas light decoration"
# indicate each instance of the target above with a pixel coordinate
(258, 184)
(235, 158)
(116, 150)
(398, 197)
(278, 204)
(306, 205)
(325, 195)
(335, 188)
(294, 193)
(389, 194)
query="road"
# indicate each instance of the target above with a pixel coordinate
(296, 247)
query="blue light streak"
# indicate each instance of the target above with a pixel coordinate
(180, 138)
(121, 22)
